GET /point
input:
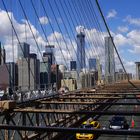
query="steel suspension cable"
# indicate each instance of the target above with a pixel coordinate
(75, 20)
(99, 8)
(67, 29)
(44, 33)
(43, 28)
(91, 43)
(59, 28)
(95, 22)
(80, 19)
(83, 19)
(60, 49)
(15, 33)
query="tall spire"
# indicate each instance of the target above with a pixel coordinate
(81, 50)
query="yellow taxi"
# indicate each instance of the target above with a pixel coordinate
(88, 124)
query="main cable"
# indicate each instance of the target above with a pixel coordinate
(99, 8)
(15, 33)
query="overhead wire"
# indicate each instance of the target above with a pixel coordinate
(60, 49)
(83, 17)
(13, 52)
(95, 17)
(96, 37)
(91, 44)
(57, 7)
(33, 35)
(44, 33)
(74, 17)
(78, 14)
(15, 32)
(74, 25)
(91, 15)
(59, 28)
(108, 30)
(79, 17)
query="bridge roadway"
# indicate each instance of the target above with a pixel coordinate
(104, 121)
(35, 113)
(32, 114)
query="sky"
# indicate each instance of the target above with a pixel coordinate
(122, 17)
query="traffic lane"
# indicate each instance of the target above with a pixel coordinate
(118, 137)
(104, 121)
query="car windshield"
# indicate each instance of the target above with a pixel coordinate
(118, 118)
(87, 126)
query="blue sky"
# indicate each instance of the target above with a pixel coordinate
(123, 9)
(126, 22)
(122, 16)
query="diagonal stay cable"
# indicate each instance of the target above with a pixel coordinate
(79, 17)
(41, 28)
(76, 20)
(67, 30)
(15, 32)
(60, 49)
(25, 15)
(99, 8)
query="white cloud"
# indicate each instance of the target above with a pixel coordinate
(134, 41)
(131, 39)
(120, 40)
(64, 48)
(134, 36)
(111, 14)
(123, 29)
(68, 52)
(55, 36)
(135, 50)
(133, 21)
(80, 28)
(129, 66)
(43, 20)
(5, 26)
(6, 35)
(91, 35)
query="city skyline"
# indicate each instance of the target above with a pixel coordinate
(124, 36)
(69, 69)
(109, 61)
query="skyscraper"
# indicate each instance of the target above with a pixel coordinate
(34, 68)
(45, 72)
(137, 70)
(92, 64)
(28, 68)
(23, 50)
(8, 75)
(72, 65)
(109, 61)
(81, 51)
(2, 55)
(49, 52)
(48, 61)
(28, 73)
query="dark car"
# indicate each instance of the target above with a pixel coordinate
(118, 122)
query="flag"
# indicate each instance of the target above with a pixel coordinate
(132, 123)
